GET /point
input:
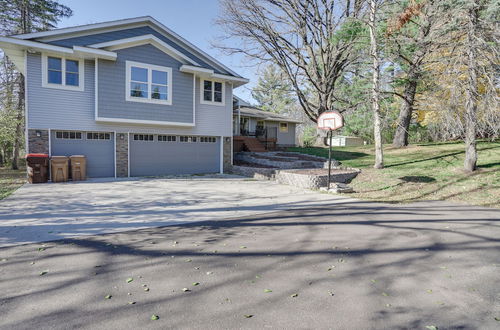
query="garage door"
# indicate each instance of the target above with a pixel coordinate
(152, 155)
(98, 147)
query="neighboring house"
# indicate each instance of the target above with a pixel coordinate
(271, 129)
(131, 95)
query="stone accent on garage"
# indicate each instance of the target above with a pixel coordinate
(122, 155)
(227, 151)
(38, 144)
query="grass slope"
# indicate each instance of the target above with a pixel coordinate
(10, 180)
(422, 172)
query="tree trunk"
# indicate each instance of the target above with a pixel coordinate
(379, 154)
(403, 124)
(471, 91)
(19, 124)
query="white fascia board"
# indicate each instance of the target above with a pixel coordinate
(12, 44)
(196, 70)
(33, 45)
(146, 122)
(141, 40)
(237, 81)
(209, 73)
(94, 53)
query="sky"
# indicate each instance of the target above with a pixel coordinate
(191, 19)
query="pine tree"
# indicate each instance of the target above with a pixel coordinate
(273, 92)
(25, 16)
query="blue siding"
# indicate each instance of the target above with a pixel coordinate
(129, 33)
(50, 108)
(112, 103)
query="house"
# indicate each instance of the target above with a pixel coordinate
(258, 130)
(131, 95)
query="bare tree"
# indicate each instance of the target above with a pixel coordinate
(312, 42)
(377, 134)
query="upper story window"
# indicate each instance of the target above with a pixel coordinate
(63, 73)
(212, 92)
(148, 83)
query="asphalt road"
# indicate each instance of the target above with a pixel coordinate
(355, 265)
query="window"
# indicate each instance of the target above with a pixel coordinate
(68, 135)
(187, 138)
(167, 138)
(98, 136)
(284, 127)
(143, 137)
(212, 92)
(208, 139)
(148, 83)
(63, 73)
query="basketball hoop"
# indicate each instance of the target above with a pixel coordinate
(330, 121)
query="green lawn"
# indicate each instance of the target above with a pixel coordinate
(422, 172)
(10, 180)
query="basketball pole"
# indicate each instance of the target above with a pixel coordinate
(329, 157)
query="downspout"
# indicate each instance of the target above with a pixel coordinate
(239, 119)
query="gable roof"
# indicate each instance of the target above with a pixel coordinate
(253, 112)
(88, 29)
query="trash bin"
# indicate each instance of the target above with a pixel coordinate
(78, 167)
(38, 168)
(59, 168)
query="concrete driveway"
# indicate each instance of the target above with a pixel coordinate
(43, 212)
(353, 265)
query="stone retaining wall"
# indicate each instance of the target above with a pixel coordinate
(254, 172)
(295, 177)
(313, 181)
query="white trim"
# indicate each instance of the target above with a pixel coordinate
(84, 52)
(114, 148)
(96, 87)
(128, 154)
(209, 73)
(143, 40)
(90, 52)
(147, 122)
(81, 74)
(26, 121)
(150, 68)
(202, 92)
(279, 127)
(147, 20)
(194, 98)
(221, 168)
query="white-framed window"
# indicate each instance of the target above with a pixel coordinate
(68, 135)
(148, 83)
(167, 138)
(208, 139)
(284, 127)
(212, 92)
(63, 73)
(98, 136)
(187, 138)
(143, 137)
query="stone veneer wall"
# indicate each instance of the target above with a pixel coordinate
(121, 155)
(38, 144)
(226, 157)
